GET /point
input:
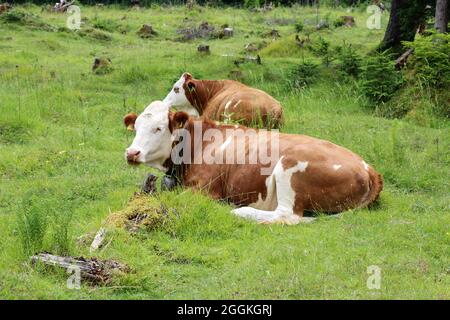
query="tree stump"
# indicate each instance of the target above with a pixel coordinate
(251, 47)
(5, 7)
(228, 32)
(204, 49)
(349, 21)
(146, 31)
(102, 66)
(190, 4)
(274, 34)
(248, 58)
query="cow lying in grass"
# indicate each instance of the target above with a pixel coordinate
(291, 174)
(225, 100)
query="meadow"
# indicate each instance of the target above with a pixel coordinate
(63, 171)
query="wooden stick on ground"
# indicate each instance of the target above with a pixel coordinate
(98, 240)
(92, 270)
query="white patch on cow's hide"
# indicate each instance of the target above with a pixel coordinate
(366, 166)
(301, 166)
(278, 182)
(336, 167)
(177, 98)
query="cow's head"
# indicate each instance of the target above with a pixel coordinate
(152, 144)
(177, 97)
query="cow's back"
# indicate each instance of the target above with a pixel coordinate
(237, 102)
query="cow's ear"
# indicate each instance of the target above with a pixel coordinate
(187, 76)
(190, 85)
(179, 119)
(129, 121)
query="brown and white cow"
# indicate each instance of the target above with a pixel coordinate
(225, 100)
(307, 174)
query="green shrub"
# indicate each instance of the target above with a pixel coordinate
(379, 80)
(105, 24)
(349, 60)
(339, 22)
(299, 26)
(303, 75)
(14, 132)
(94, 34)
(431, 59)
(252, 3)
(322, 49)
(23, 18)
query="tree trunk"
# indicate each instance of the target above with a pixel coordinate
(405, 17)
(441, 16)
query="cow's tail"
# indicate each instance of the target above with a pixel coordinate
(375, 187)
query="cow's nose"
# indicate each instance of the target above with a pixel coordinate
(132, 155)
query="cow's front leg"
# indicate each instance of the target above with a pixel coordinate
(270, 217)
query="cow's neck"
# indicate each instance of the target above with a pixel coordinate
(204, 91)
(178, 171)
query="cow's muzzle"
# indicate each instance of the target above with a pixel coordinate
(132, 156)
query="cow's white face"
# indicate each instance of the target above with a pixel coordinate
(152, 144)
(177, 97)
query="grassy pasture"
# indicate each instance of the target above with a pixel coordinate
(62, 169)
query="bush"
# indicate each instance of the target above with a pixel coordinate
(431, 59)
(23, 18)
(94, 34)
(299, 26)
(379, 80)
(252, 3)
(322, 49)
(105, 24)
(349, 60)
(303, 75)
(339, 22)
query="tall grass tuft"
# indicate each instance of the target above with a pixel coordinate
(60, 241)
(32, 225)
(43, 225)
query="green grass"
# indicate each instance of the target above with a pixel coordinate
(62, 167)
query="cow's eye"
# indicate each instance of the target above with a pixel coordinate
(155, 130)
(176, 89)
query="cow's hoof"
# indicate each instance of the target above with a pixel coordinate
(306, 219)
(243, 212)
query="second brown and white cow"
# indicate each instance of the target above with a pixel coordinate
(303, 174)
(225, 100)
